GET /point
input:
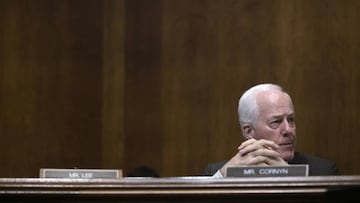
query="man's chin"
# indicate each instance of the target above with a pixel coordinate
(287, 155)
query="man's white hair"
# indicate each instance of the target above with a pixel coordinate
(248, 109)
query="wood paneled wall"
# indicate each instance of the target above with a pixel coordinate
(51, 59)
(123, 83)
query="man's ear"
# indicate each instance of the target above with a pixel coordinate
(248, 131)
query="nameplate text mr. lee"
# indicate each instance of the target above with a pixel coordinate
(80, 173)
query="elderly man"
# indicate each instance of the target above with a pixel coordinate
(267, 120)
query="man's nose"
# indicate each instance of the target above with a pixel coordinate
(285, 127)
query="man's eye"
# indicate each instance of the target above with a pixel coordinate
(291, 120)
(275, 124)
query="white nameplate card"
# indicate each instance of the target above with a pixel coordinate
(267, 171)
(80, 173)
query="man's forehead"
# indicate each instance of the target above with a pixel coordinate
(274, 103)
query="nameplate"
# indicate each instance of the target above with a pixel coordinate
(267, 171)
(80, 173)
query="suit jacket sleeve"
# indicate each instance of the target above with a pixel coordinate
(212, 168)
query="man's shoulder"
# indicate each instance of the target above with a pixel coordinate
(301, 158)
(317, 165)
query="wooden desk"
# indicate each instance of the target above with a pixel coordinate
(180, 189)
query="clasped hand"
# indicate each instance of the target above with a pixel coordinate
(256, 152)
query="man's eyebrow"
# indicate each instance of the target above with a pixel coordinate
(283, 115)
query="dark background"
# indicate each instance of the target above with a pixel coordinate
(123, 83)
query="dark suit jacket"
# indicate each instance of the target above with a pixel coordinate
(317, 166)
